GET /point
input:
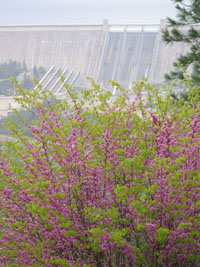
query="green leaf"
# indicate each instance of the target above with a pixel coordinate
(162, 235)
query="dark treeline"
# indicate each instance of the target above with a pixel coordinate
(16, 69)
(12, 68)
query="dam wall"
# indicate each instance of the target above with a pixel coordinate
(165, 55)
(128, 54)
(123, 53)
(78, 47)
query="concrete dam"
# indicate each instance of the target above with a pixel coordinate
(123, 53)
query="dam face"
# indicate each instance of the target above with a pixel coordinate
(77, 48)
(127, 56)
(123, 53)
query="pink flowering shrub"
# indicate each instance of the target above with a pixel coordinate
(96, 182)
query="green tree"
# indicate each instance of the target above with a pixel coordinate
(27, 83)
(12, 68)
(185, 29)
(41, 70)
(35, 72)
(24, 67)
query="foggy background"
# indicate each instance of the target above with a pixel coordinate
(48, 12)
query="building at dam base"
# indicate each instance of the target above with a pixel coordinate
(123, 53)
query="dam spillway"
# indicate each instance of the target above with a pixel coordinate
(127, 55)
(123, 53)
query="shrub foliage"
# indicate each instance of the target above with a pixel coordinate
(102, 182)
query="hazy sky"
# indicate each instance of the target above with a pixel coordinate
(22, 12)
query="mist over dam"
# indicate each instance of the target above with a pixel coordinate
(123, 53)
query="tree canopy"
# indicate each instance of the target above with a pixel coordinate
(185, 28)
